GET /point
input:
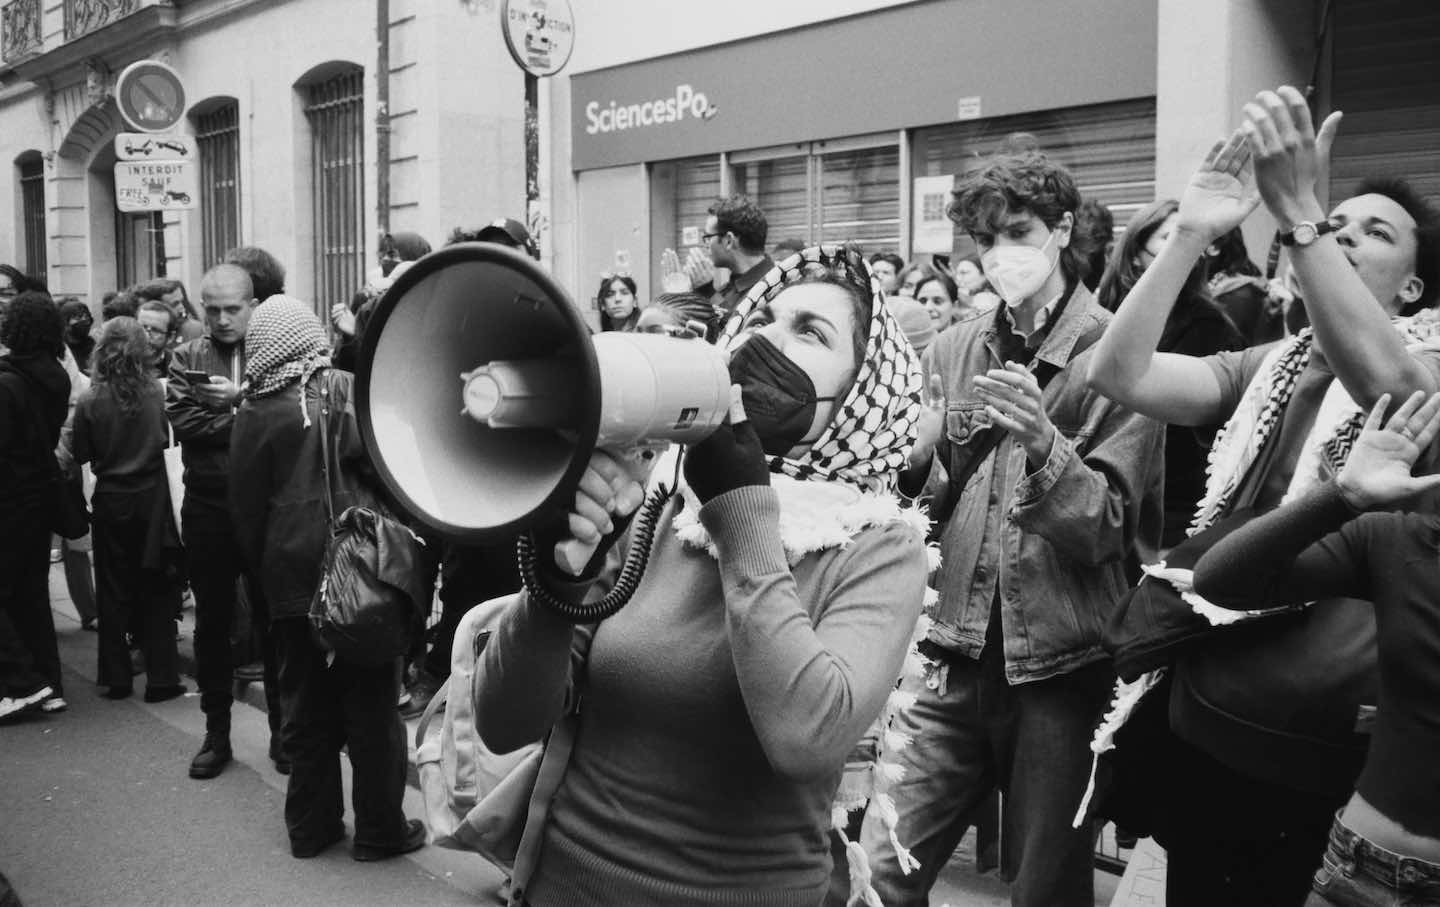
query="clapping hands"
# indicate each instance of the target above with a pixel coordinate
(1221, 193)
(672, 278)
(1292, 160)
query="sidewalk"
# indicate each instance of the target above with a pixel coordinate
(959, 884)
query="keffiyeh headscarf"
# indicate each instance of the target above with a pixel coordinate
(870, 436)
(284, 344)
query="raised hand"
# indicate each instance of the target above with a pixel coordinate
(672, 278)
(699, 267)
(1289, 157)
(1221, 193)
(1377, 474)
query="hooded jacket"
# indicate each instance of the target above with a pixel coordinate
(34, 400)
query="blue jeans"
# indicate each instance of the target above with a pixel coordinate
(974, 732)
(1356, 873)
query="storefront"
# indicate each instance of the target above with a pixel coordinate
(850, 129)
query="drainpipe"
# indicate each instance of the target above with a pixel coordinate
(382, 115)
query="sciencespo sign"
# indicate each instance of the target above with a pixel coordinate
(616, 117)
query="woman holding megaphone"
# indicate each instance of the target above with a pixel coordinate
(715, 711)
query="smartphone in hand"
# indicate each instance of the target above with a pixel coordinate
(197, 377)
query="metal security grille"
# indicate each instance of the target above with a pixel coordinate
(335, 109)
(218, 135)
(32, 213)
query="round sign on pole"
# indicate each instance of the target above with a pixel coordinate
(539, 33)
(150, 96)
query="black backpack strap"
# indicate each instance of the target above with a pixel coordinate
(325, 457)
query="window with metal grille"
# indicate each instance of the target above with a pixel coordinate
(335, 110)
(217, 133)
(32, 212)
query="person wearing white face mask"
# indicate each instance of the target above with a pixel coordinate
(1060, 494)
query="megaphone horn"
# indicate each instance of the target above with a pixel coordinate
(481, 394)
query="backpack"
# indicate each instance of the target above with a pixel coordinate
(372, 597)
(476, 800)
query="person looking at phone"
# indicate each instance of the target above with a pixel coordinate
(204, 390)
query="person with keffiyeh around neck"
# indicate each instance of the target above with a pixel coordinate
(781, 598)
(1265, 722)
(278, 497)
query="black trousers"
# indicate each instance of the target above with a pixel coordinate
(1236, 840)
(25, 597)
(215, 569)
(325, 708)
(126, 590)
(469, 575)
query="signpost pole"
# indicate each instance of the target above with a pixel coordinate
(532, 154)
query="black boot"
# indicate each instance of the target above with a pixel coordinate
(213, 755)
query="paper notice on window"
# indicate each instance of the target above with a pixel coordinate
(933, 231)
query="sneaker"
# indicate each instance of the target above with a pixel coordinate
(414, 840)
(421, 692)
(14, 705)
(53, 704)
(213, 756)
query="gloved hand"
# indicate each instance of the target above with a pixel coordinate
(731, 458)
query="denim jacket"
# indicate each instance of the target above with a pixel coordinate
(1055, 543)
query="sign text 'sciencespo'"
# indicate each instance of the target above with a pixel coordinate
(617, 117)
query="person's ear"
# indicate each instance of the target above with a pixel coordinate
(1067, 225)
(1411, 290)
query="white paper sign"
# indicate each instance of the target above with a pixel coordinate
(933, 231)
(156, 186)
(690, 236)
(968, 108)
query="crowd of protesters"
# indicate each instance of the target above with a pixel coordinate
(1028, 430)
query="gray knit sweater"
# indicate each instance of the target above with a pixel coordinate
(715, 711)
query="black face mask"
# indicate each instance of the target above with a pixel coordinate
(778, 395)
(79, 330)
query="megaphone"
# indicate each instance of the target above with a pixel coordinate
(481, 393)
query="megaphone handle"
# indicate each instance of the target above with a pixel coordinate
(592, 568)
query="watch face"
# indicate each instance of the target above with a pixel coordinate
(1305, 234)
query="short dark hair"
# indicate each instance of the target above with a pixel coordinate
(267, 274)
(155, 305)
(120, 304)
(1427, 232)
(1230, 256)
(946, 283)
(786, 247)
(895, 261)
(1096, 224)
(1010, 183)
(739, 215)
(32, 324)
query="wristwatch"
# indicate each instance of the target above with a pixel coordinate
(1306, 232)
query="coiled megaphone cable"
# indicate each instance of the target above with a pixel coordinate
(642, 538)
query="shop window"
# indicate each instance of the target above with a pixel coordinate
(139, 247)
(1109, 148)
(32, 212)
(217, 133)
(335, 110)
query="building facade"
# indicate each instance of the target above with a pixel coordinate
(283, 99)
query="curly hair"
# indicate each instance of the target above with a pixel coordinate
(1010, 184)
(121, 362)
(31, 323)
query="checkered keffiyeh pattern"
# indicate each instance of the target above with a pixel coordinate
(284, 343)
(870, 436)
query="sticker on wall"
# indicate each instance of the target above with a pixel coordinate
(968, 108)
(690, 236)
(933, 230)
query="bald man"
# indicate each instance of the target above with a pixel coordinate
(203, 393)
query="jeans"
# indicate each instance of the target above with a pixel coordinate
(1356, 873)
(327, 707)
(973, 732)
(213, 558)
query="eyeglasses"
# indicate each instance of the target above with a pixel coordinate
(706, 237)
(157, 332)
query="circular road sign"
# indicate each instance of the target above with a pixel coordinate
(539, 33)
(150, 96)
